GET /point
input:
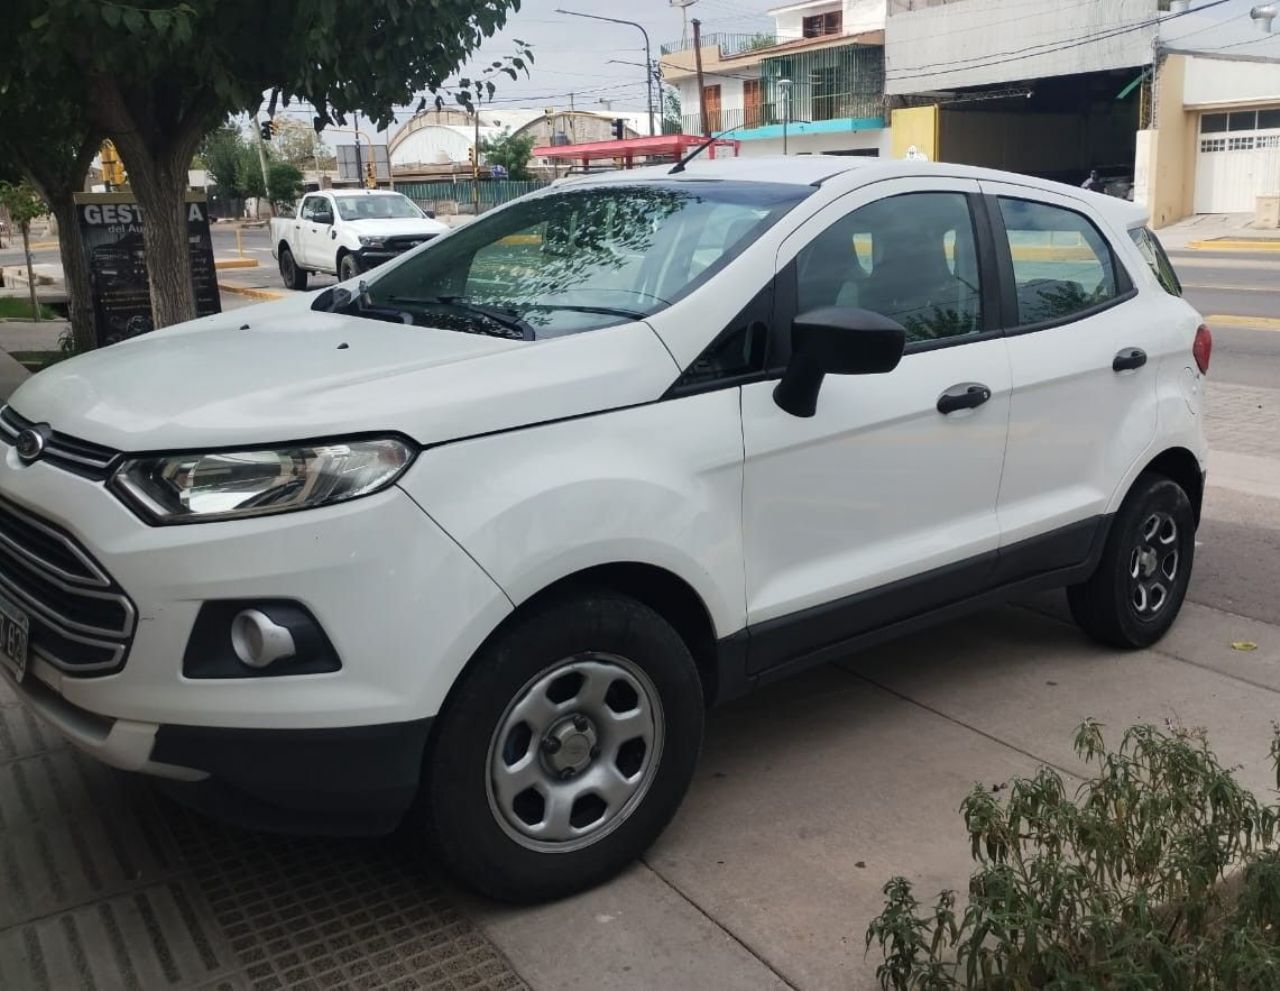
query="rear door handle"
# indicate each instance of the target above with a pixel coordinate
(1129, 359)
(966, 395)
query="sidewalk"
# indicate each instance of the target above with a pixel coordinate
(1196, 231)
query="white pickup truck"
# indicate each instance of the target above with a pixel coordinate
(344, 232)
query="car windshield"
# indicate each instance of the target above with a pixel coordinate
(579, 259)
(384, 206)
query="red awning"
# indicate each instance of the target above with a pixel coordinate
(658, 146)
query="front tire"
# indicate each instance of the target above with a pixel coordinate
(292, 276)
(564, 750)
(348, 267)
(1135, 594)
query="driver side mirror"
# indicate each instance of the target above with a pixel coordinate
(837, 340)
(323, 217)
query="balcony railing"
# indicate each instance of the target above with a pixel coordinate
(729, 44)
(836, 106)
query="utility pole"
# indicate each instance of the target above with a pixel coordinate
(785, 86)
(262, 160)
(475, 164)
(702, 90)
(359, 168)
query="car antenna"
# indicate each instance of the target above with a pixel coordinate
(679, 166)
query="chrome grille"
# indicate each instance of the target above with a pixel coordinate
(82, 622)
(404, 242)
(69, 453)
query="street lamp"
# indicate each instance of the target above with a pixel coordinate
(648, 58)
(784, 85)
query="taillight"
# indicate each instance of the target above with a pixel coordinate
(1202, 349)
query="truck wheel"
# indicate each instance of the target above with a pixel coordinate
(348, 267)
(1134, 596)
(564, 750)
(294, 277)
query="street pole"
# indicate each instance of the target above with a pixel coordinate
(648, 54)
(475, 164)
(359, 167)
(262, 160)
(702, 90)
(785, 86)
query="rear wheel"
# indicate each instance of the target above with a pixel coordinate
(294, 277)
(1135, 594)
(565, 750)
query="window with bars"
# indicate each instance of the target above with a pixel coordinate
(821, 25)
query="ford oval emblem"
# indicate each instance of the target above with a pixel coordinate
(30, 444)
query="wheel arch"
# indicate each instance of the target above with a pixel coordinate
(1181, 466)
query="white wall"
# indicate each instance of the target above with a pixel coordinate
(1211, 81)
(864, 15)
(817, 144)
(730, 92)
(962, 44)
(437, 144)
(859, 16)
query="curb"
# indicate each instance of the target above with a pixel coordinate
(265, 294)
(220, 263)
(1257, 323)
(1231, 244)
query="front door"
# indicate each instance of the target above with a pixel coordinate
(1084, 356)
(883, 503)
(318, 247)
(711, 97)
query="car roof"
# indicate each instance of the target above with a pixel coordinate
(366, 192)
(814, 170)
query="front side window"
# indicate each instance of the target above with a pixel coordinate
(1062, 265)
(579, 259)
(1153, 253)
(912, 258)
(382, 207)
(311, 206)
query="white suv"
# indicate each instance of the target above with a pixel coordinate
(482, 537)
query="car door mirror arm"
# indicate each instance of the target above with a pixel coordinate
(835, 340)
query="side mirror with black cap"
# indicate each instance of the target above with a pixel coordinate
(836, 340)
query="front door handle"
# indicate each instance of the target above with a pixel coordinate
(1129, 359)
(967, 395)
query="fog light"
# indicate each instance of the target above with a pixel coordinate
(258, 641)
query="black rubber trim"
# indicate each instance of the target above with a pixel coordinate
(788, 644)
(346, 781)
(209, 654)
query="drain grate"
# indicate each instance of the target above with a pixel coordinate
(103, 885)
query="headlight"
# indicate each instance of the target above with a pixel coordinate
(199, 488)
(372, 242)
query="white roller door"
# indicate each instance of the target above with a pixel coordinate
(1238, 160)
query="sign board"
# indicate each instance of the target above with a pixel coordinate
(111, 227)
(347, 162)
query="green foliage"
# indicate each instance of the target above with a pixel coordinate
(511, 151)
(249, 179)
(759, 41)
(16, 308)
(222, 151)
(284, 184)
(23, 203)
(672, 122)
(1161, 872)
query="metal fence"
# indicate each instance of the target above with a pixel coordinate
(458, 197)
(729, 44)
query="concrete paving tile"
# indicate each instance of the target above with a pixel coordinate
(808, 798)
(635, 932)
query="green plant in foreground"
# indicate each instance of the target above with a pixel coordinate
(1160, 872)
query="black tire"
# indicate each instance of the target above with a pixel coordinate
(1111, 606)
(349, 267)
(458, 808)
(294, 277)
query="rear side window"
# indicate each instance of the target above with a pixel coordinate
(1154, 254)
(1062, 264)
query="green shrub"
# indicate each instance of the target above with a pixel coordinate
(1160, 872)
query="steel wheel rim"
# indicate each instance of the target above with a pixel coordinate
(1155, 565)
(605, 716)
(347, 270)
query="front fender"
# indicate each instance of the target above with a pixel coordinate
(658, 484)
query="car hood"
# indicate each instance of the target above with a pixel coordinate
(280, 372)
(388, 227)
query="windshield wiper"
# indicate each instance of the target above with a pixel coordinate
(608, 311)
(502, 317)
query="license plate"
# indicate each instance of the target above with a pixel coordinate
(13, 638)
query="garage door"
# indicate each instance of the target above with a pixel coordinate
(1239, 160)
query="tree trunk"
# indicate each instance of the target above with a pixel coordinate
(164, 235)
(75, 274)
(31, 272)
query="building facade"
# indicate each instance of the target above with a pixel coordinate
(815, 83)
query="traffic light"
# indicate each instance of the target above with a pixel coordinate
(112, 167)
(619, 128)
(471, 157)
(266, 129)
(371, 175)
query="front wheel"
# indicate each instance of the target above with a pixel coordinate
(348, 267)
(565, 750)
(1135, 594)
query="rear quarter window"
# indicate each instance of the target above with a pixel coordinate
(1153, 253)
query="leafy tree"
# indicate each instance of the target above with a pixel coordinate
(511, 151)
(154, 76)
(24, 205)
(284, 184)
(249, 178)
(672, 122)
(758, 41)
(298, 144)
(222, 151)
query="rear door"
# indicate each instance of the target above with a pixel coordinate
(1084, 352)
